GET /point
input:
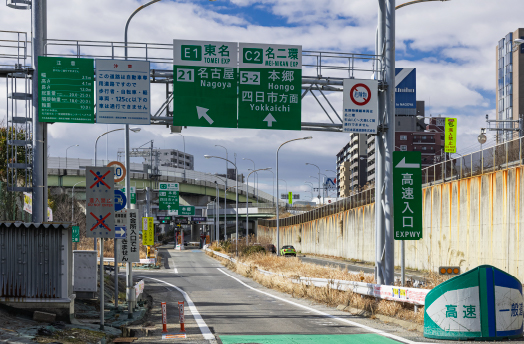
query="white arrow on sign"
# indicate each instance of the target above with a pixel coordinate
(269, 119)
(202, 112)
(168, 207)
(121, 232)
(403, 164)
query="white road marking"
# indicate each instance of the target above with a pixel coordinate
(175, 270)
(371, 329)
(196, 315)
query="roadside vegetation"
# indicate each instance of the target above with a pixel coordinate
(256, 256)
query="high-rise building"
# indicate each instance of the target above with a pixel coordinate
(509, 83)
(172, 158)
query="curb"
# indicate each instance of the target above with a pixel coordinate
(407, 325)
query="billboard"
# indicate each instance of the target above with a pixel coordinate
(405, 88)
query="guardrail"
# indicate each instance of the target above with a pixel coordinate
(413, 296)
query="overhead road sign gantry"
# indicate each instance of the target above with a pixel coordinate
(205, 83)
(123, 94)
(270, 86)
(65, 87)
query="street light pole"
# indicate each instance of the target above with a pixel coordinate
(66, 153)
(247, 201)
(129, 269)
(225, 196)
(307, 163)
(184, 139)
(218, 207)
(236, 177)
(273, 173)
(278, 219)
(256, 174)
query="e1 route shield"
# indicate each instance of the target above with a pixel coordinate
(205, 83)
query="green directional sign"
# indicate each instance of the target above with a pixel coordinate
(132, 193)
(186, 210)
(205, 84)
(168, 196)
(407, 195)
(270, 81)
(65, 90)
(76, 233)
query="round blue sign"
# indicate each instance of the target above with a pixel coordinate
(120, 200)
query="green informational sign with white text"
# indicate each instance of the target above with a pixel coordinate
(132, 194)
(205, 84)
(168, 196)
(407, 195)
(76, 233)
(66, 90)
(270, 84)
(187, 210)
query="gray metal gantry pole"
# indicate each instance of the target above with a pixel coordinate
(384, 146)
(39, 175)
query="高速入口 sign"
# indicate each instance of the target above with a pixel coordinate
(407, 195)
(360, 101)
(205, 84)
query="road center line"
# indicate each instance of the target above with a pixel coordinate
(371, 329)
(196, 315)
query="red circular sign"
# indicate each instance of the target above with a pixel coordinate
(366, 100)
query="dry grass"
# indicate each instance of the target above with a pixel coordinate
(293, 267)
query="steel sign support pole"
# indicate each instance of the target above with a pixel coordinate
(39, 173)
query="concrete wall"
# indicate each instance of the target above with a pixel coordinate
(469, 222)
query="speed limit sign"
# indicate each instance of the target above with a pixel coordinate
(120, 170)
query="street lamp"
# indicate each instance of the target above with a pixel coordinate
(278, 220)
(66, 153)
(516, 43)
(284, 182)
(247, 201)
(415, 2)
(307, 163)
(218, 209)
(135, 130)
(256, 174)
(225, 195)
(236, 177)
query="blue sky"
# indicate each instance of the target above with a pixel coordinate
(452, 45)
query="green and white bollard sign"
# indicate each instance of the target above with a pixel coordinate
(484, 303)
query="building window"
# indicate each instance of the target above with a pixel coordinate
(403, 137)
(424, 148)
(403, 148)
(424, 137)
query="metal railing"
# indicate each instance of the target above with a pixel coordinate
(499, 157)
(357, 200)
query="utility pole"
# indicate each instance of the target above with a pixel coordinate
(385, 143)
(39, 175)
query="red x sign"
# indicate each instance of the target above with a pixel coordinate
(100, 221)
(99, 179)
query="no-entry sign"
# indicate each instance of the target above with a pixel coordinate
(360, 106)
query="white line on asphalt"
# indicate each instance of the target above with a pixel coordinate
(371, 329)
(196, 315)
(175, 270)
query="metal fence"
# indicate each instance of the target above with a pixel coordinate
(362, 198)
(499, 157)
(33, 261)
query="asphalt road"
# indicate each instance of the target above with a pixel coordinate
(235, 309)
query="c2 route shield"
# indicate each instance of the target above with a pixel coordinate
(65, 90)
(100, 209)
(407, 195)
(205, 84)
(270, 86)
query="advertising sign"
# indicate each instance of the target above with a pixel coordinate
(205, 83)
(100, 209)
(360, 101)
(405, 88)
(66, 90)
(122, 92)
(450, 137)
(270, 86)
(148, 231)
(407, 195)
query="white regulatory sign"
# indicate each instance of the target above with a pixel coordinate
(360, 106)
(123, 92)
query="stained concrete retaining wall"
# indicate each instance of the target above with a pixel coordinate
(468, 222)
